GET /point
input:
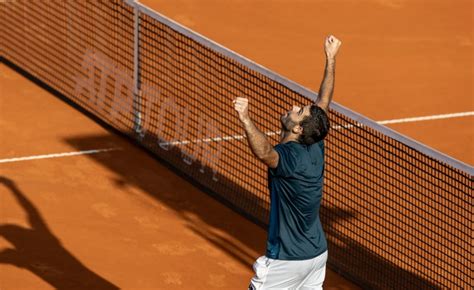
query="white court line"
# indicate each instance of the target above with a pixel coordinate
(57, 155)
(427, 118)
(409, 120)
(393, 121)
(237, 137)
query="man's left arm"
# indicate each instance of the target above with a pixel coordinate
(326, 90)
(258, 142)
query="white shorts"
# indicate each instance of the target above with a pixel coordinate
(283, 274)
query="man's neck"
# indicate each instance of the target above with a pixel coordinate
(288, 137)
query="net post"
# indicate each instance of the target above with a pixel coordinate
(137, 101)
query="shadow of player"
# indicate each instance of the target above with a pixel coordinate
(36, 249)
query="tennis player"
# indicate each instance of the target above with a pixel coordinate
(296, 252)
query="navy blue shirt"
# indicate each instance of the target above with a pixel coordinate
(295, 231)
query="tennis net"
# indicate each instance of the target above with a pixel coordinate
(398, 215)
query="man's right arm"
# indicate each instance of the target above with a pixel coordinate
(331, 47)
(258, 142)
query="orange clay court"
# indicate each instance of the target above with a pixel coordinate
(118, 219)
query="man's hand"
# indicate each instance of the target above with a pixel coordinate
(241, 105)
(331, 46)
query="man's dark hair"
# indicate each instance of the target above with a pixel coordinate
(315, 126)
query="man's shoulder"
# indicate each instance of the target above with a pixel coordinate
(289, 148)
(295, 146)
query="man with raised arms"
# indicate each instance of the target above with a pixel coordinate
(296, 252)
